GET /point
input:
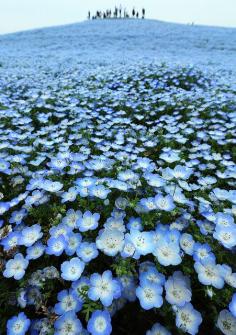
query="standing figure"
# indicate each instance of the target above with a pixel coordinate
(120, 11)
(133, 12)
(143, 13)
(137, 15)
(89, 15)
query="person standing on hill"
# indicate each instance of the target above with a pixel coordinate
(133, 12)
(143, 13)
(137, 15)
(89, 15)
(120, 11)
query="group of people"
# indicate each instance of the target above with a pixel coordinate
(120, 13)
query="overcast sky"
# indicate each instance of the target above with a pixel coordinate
(16, 15)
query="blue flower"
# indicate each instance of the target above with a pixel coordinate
(226, 322)
(142, 241)
(68, 324)
(210, 273)
(87, 251)
(30, 235)
(188, 319)
(4, 166)
(157, 328)
(164, 203)
(100, 323)
(56, 245)
(72, 269)
(18, 325)
(35, 251)
(167, 251)
(226, 235)
(16, 267)
(99, 191)
(149, 295)
(104, 288)
(72, 243)
(88, 221)
(110, 241)
(68, 301)
(232, 305)
(11, 241)
(178, 290)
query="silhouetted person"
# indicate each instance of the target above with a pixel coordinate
(89, 15)
(133, 12)
(120, 11)
(143, 13)
(137, 15)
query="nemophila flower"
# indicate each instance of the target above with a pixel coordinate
(188, 319)
(104, 288)
(170, 156)
(52, 186)
(70, 195)
(187, 243)
(72, 269)
(232, 305)
(11, 241)
(164, 203)
(154, 180)
(99, 191)
(35, 251)
(56, 245)
(151, 275)
(110, 241)
(4, 166)
(29, 235)
(18, 216)
(178, 290)
(203, 252)
(148, 204)
(87, 251)
(226, 236)
(68, 324)
(158, 329)
(167, 252)
(142, 241)
(135, 223)
(73, 240)
(4, 207)
(71, 218)
(57, 164)
(60, 230)
(226, 322)
(88, 221)
(179, 172)
(100, 323)
(18, 325)
(224, 220)
(229, 276)
(80, 286)
(149, 295)
(68, 301)
(16, 267)
(210, 273)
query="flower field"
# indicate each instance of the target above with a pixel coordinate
(118, 202)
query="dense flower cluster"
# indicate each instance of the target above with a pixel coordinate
(118, 195)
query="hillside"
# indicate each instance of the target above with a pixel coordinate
(115, 41)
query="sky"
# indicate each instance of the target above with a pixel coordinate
(17, 15)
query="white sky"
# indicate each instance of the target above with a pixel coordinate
(16, 15)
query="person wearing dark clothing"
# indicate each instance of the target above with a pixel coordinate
(143, 13)
(137, 15)
(89, 14)
(120, 11)
(133, 12)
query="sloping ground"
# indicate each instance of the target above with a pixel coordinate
(107, 42)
